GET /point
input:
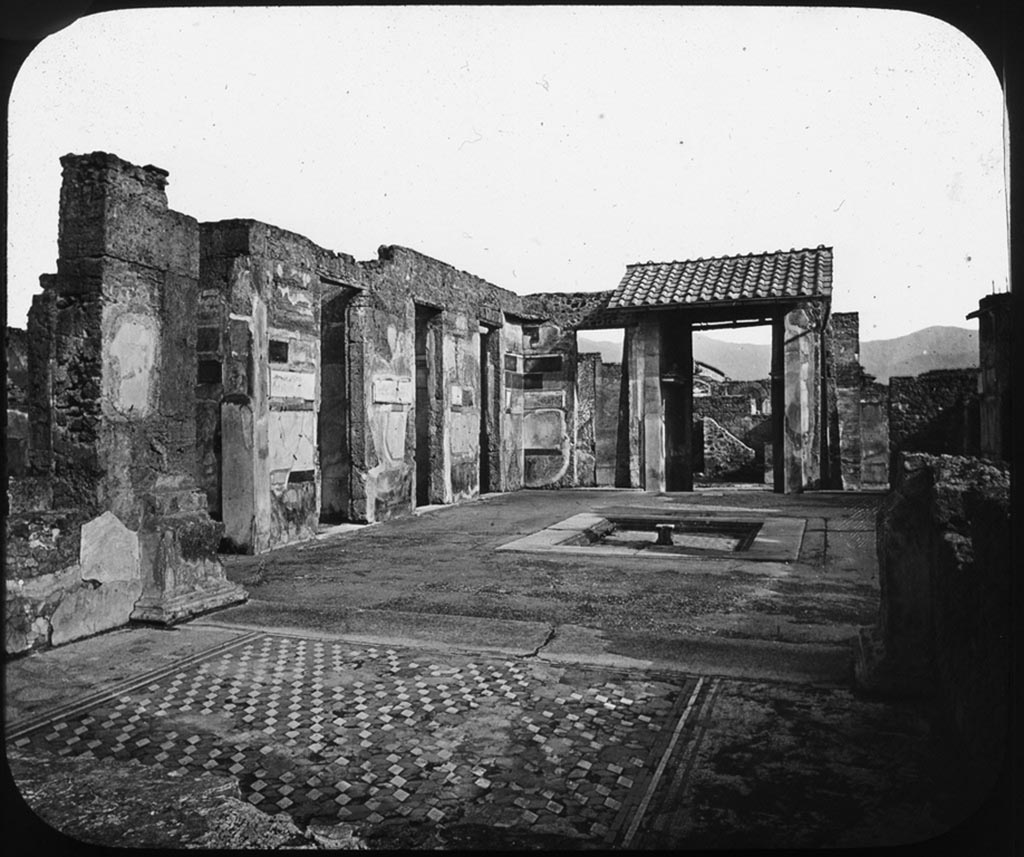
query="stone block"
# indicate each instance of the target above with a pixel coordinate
(109, 551)
(89, 610)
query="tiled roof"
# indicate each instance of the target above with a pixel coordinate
(754, 277)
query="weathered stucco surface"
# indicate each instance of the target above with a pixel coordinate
(116, 328)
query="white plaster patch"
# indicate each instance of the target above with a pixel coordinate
(396, 391)
(394, 434)
(292, 385)
(456, 395)
(392, 340)
(465, 434)
(544, 429)
(132, 358)
(109, 550)
(290, 437)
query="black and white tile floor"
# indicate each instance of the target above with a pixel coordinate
(335, 731)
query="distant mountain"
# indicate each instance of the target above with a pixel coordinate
(921, 351)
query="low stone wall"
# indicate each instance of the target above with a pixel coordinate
(944, 623)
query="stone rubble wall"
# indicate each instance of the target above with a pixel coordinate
(936, 413)
(16, 426)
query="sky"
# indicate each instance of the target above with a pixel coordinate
(545, 148)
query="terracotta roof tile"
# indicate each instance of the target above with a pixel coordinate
(753, 277)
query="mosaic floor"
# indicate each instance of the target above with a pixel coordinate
(331, 731)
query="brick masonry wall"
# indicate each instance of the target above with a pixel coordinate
(844, 348)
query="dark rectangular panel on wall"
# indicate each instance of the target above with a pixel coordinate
(549, 363)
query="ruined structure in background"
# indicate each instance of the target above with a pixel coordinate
(944, 550)
(995, 343)
(862, 410)
(660, 304)
(188, 387)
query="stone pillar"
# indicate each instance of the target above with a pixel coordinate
(123, 387)
(629, 470)
(995, 346)
(648, 358)
(775, 451)
(802, 424)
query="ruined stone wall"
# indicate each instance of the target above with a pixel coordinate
(549, 406)
(844, 348)
(944, 622)
(16, 427)
(733, 412)
(565, 309)
(120, 534)
(385, 317)
(935, 412)
(41, 324)
(588, 368)
(258, 384)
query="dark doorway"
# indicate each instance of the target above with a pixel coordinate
(677, 396)
(428, 378)
(488, 411)
(778, 403)
(333, 418)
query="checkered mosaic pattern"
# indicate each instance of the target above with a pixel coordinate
(331, 731)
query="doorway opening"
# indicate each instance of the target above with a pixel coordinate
(490, 443)
(677, 398)
(733, 423)
(428, 411)
(335, 405)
